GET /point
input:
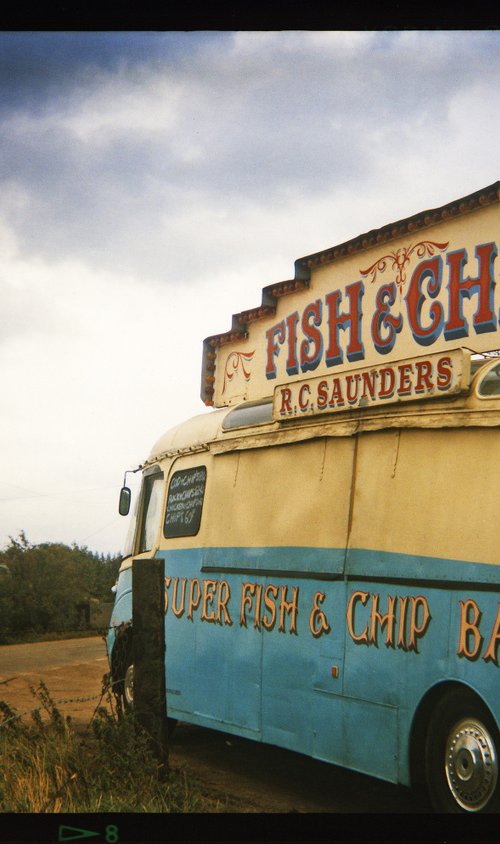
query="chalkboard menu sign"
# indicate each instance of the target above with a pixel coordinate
(185, 502)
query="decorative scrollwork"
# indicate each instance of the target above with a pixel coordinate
(400, 259)
(235, 362)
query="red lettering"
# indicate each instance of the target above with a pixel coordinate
(384, 321)
(369, 382)
(336, 397)
(426, 271)
(292, 365)
(310, 359)
(387, 383)
(286, 400)
(445, 373)
(424, 372)
(338, 322)
(405, 371)
(322, 398)
(459, 288)
(275, 336)
(304, 402)
(352, 395)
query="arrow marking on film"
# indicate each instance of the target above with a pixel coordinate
(72, 833)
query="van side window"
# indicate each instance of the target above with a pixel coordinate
(490, 384)
(186, 493)
(249, 413)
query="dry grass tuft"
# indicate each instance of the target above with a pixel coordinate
(46, 766)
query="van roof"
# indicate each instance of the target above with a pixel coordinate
(189, 435)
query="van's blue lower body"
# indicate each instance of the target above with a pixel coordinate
(321, 651)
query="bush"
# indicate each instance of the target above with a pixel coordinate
(43, 587)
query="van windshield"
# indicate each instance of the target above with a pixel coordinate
(151, 510)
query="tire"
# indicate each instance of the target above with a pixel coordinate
(461, 755)
(127, 691)
(128, 685)
(120, 661)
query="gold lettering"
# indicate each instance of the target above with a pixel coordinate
(258, 600)
(403, 603)
(417, 630)
(290, 608)
(355, 597)
(469, 627)
(193, 601)
(222, 603)
(167, 584)
(491, 651)
(247, 590)
(209, 587)
(317, 619)
(270, 605)
(378, 620)
(179, 610)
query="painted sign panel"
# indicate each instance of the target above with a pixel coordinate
(408, 380)
(397, 621)
(425, 284)
(185, 501)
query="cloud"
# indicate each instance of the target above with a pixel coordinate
(238, 120)
(153, 183)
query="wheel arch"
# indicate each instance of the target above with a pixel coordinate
(122, 647)
(421, 721)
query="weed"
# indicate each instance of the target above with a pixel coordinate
(47, 766)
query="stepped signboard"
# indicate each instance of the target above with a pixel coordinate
(416, 290)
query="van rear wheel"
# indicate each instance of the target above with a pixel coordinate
(461, 755)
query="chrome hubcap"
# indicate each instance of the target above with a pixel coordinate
(471, 764)
(128, 685)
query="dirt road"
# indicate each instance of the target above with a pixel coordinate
(245, 776)
(72, 668)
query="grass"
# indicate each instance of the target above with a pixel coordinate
(46, 765)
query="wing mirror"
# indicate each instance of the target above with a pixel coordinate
(124, 503)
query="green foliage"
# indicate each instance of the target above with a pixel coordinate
(46, 766)
(41, 586)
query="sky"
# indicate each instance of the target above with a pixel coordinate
(152, 183)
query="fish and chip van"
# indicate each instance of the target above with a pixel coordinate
(329, 530)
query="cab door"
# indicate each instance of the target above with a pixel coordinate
(181, 546)
(213, 666)
(229, 652)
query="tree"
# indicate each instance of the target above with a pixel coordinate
(46, 584)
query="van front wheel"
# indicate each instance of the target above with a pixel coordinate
(128, 694)
(462, 755)
(128, 686)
